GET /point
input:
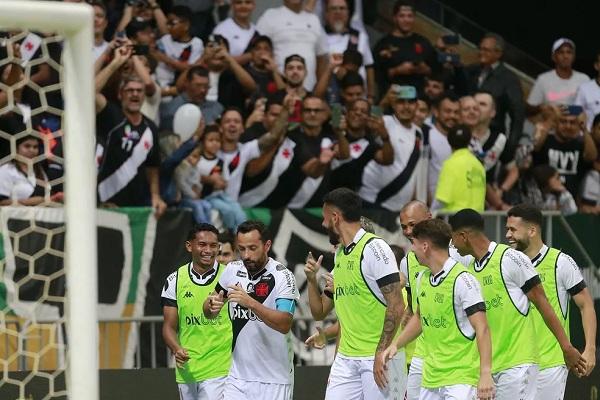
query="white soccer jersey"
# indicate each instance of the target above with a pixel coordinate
(234, 165)
(260, 353)
(588, 97)
(189, 52)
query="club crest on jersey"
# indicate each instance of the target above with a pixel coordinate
(262, 289)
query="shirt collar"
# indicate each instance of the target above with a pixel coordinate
(357, 237)
(539, 256)
(484, 260)
(446, 268)
(206, 274)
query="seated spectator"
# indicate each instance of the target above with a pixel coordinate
(188, 178)
(329, 84)
(227, 249)
(392, 186)
(403, 57)
(566, 149)
(239, 29)
(588, 95)
(446, 116)
(491, 75)
(492, 149)
(295, 31)
(211, 169)
(230, 83)
(22, 180)
(100, 24)
(590, 189)
(555, 194)
(462, 178)
(342, 37)
(127, 141)
(368, 140)
(196, 88)
(557, 86)
(177, 50)
(263, 69)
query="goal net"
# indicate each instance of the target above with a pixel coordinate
(48, 274)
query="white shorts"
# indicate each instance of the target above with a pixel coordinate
(238, 389)
(516, 383)
(415, 375)
(209, 389)
(551, 383)
(453, 392)
(352, 378)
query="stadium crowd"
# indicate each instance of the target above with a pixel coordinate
(198, 107)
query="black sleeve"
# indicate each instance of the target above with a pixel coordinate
(475, 308)
(166, 302)
(577, 288)
(218, 288)
(531, 283)
(388, 279)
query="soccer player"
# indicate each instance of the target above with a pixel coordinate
(510, 283)
(202, 348)
(450, 313)
(368, 304)
(562, 280)
(262, 297)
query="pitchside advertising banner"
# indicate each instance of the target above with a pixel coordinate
(136, 252)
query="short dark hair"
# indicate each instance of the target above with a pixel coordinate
(352, 57)
(459, 137)
(596, 120)
(294, 57)
(436, 76)
(210, 129)
(182, 12)
(527, 213)
(255, 225)
(466, 218)
(351, 79)
(347, 201)
(435, 230)
(398, 252)
(542, 174)
(229, 109)
(135, 26)
(100, 4)
(196, 70)
(227, 236)
(445, 96)
(260, 39)
(203, 227)
(403, 3)
(311, 96)
(276, 98)
(222, 40)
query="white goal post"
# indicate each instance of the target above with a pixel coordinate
(74, 22)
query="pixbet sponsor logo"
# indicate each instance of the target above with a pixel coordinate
(239, 312)
(200, 319)
(347, 290)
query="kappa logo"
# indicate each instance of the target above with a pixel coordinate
(188, 294)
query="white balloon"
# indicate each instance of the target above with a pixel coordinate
(186, 120)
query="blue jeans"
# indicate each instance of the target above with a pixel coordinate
(200, 208)
(230, 210)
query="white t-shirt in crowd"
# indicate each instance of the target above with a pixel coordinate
(591, 188)
(98, 50)
(440, 151)
(152, 103)
(549, 88)
(238, 37)
(234, 165)
(174, 49)
(295, 33)
(14, 184)
(588, 97)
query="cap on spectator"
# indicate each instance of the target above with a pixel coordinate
(294, 57)
(406, 92)
(136, 25)
(559, 42)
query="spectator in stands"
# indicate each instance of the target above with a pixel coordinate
(177, 50)
(239, 29)
(145, 11)
(422, 115)
(128, 142)
(227, 250)
(100, 24)
(189, 182)
(263, 68)
(229, 82)
(269, 112)
(196, 88)
(329, 84)
(469, 113)
(491, 75)
(141, 33)
(341, 37)
(557, 86)
(588, 95)
(392, 186)
(590, 190)
(355, 10)
(434, 87)
(492, 149)
(452, 70)
(570, 149)
(462, 178)
(446, 116)
(368, 140)
(236, 155)
(352, 88)
(403, 57)
(202, 20)
(295, 31)
(22, 179)
(555, 194)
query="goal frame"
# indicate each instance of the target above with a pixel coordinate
(75, 23)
